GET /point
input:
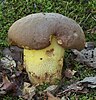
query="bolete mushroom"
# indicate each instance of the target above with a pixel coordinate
(44, 37)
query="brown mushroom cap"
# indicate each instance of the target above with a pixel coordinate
(34, 31)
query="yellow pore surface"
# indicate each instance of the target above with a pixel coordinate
(44, 65)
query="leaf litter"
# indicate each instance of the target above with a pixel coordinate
(87, 56)
(15, 80)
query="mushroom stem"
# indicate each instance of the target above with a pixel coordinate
(44, 65)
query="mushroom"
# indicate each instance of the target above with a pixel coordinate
(44, 37)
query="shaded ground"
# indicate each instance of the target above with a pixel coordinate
(83, 11)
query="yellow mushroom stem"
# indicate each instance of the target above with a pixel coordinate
(44, 65)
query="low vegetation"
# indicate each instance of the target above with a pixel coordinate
(82, 11)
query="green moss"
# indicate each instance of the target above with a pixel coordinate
(83, 12)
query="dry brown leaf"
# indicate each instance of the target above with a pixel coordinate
(80, 86)
(69, 73)
(28, 91)
(6, 85)
(51, 97)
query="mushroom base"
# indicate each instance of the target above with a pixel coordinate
(44, 65)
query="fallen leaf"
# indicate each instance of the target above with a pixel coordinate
(2, 93)
(86, 56)
(91, 81)
(80, 86)
(69, 73)
(51, 88)
(8, 61)
(51, 97)
(28, 91)
(6, 85)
